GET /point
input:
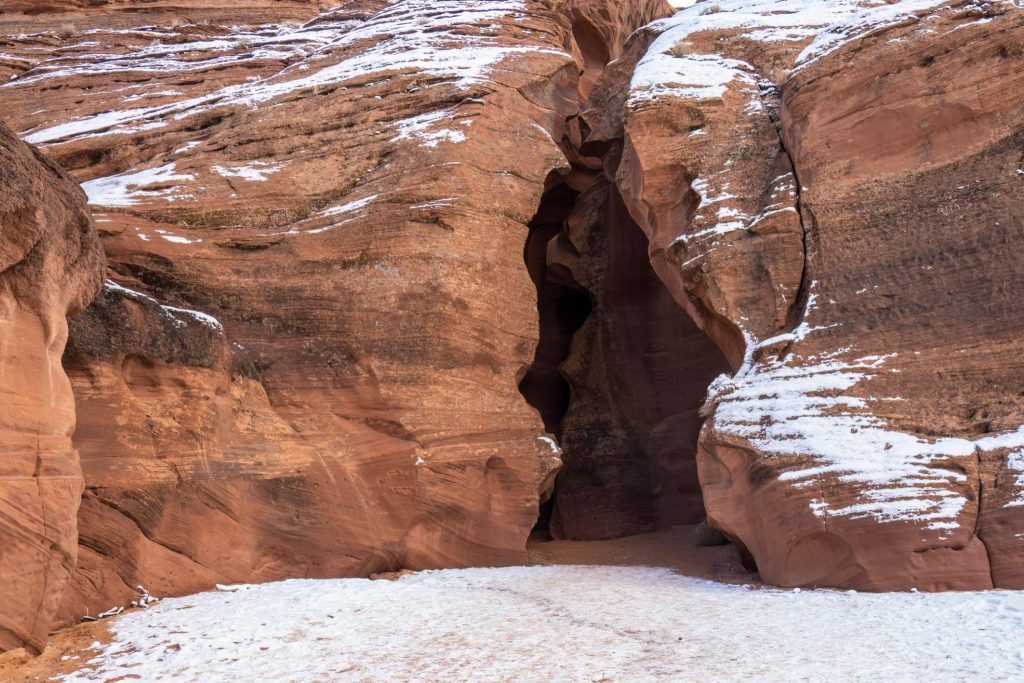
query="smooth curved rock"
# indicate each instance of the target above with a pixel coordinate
(293, 186)
(50, 266)
(869, 435)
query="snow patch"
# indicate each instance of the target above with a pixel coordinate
(424, 127)
(349, 207)
(803, 406)
(254, 171)
(171, 312)
(449, 39)
(666, 70)
(129, 189)
(699, 77)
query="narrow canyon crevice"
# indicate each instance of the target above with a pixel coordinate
(562, 308)
(619, 373)
(620, 370)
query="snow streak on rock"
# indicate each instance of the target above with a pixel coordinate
(803, 406)
(171, 313)
(129, 189)
(449, 39)
(666, 71)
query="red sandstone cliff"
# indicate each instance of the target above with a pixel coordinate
(50, 266)
(306, 359)
(319, 351)
(850, 238)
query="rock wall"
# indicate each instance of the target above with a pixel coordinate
(50, 265)
(849, 240)
(816, 206)
(250, 406)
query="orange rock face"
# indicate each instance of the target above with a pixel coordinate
(50, 266)
(251, 404)
(850, 242)
(391, 279)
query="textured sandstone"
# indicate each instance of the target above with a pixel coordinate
(250, 406)
(313, 349)
(50, 265)
(870, 436)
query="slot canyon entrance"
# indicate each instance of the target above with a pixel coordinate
(619, 374)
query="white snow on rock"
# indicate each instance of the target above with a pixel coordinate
(425, 127)
(349, 207)
(699, 77)
(1016, 465)
(803, 409)
(176, 239)
(129, 189)
(172, 313)
(714, 217)
(204, 318)
(450, 39)
(563, 623)
(803, 406)
(254, 171)
(667, 69)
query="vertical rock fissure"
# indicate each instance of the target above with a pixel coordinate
(562, 308)
(804, 289)
(620, 369)
(977, 519)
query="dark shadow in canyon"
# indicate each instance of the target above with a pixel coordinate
(562, 308)
(620, 370)
(619, 374)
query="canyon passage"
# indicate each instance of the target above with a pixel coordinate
(331, 290)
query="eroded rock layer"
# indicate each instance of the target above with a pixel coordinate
(251, 405)
(851, 240)
(50, 265)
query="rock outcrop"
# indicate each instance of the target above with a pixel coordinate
(51, 265)
(850, 241)
(388, 277)
(251, 407)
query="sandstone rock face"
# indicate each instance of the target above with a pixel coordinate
(388, 277)
(851, 242)
(250, 405)
(50, 266)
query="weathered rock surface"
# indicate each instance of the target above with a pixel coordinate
(250, 405)
(313, 349)
(51, 265)
(851, 242)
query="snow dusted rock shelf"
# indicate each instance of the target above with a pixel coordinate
(566, 623)
(849, 240)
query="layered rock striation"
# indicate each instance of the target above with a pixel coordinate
(385, 278)
(844, 226)
(51, 265)
(306, 358)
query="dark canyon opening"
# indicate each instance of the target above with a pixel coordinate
(620, 370)
(619, 373)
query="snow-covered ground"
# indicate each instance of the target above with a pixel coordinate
(563, 623)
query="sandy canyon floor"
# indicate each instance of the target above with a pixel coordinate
(646, 612)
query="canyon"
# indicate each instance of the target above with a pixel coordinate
(358, 287)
